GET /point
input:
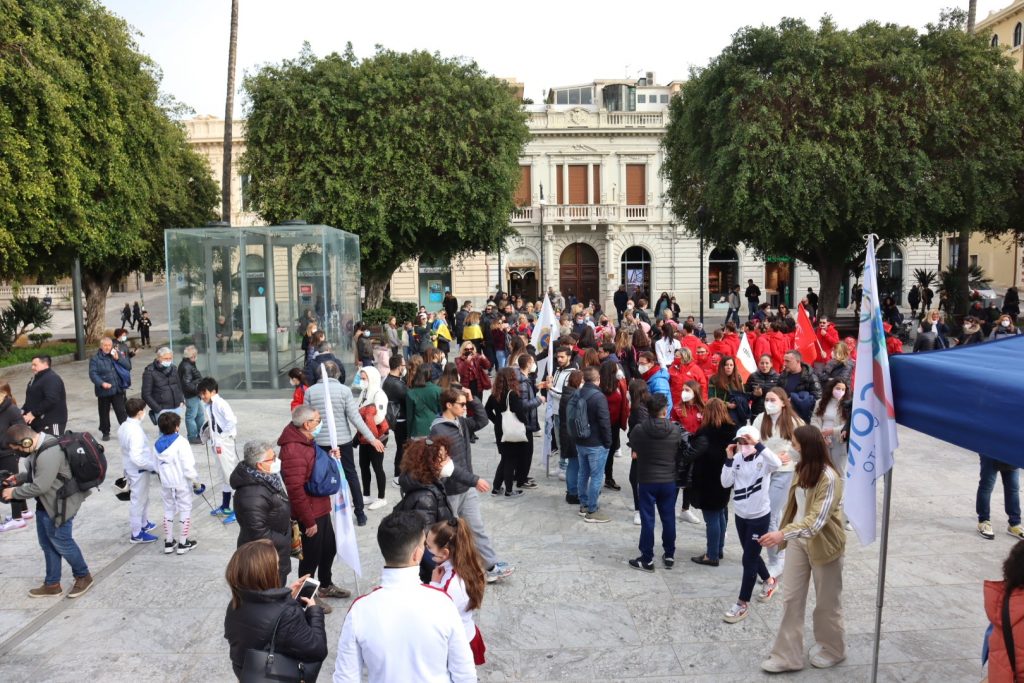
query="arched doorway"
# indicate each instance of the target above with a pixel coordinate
(521, 274)
(723, 273)
(578, 272)
(636, 271)
(890, 272)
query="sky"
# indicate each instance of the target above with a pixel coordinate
(541, 43)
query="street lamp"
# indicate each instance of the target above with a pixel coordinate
(541, 207)
(702, 215)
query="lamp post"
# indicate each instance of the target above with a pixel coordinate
(702, 215)
(540, 284)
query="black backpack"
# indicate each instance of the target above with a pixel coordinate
(578, 420)
(86, 459)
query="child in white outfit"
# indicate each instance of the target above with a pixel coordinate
(177, 473)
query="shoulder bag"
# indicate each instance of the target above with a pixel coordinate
(267, 666)
(512, 428)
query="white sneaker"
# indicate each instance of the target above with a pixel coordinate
(11, 524)
(394, 482)
(636, 518)
(561, 475)
(688, 516)
(377, 504)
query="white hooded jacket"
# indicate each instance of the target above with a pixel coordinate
(370, 392)
(177, 465)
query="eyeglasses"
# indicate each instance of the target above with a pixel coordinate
(460, 403)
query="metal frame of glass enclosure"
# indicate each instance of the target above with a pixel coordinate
(244, 295)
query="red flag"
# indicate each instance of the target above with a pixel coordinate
(805, 341)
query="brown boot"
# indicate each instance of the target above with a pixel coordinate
(82, 584)
(47, 590)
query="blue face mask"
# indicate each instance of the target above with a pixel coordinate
(358, 381)
(317, 430)
(166, 363)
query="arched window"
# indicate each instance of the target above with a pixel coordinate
(995, 41)
(636, 271)
(890, 272)
(723, 273)
(1018, 30)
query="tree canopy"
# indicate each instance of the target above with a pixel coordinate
(91, 162)
(799, 142)
(415, 153)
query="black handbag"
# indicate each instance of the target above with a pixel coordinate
(267, 666)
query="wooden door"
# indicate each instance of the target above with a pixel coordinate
(578, 268)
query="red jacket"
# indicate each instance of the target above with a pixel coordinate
(999, 670)
(893, 345)
(690, 422)
(761, 346)
(722, 348)
(779, 344)
(827, 339)
(297, 457)
(732, 342)
(679, 374)
(690, 341)
(298, 396)
(474, 369)
(618, 405)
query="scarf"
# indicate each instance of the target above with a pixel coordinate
(271, 480)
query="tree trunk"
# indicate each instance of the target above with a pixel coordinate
(229, 107)
(831, 277)
(963, 269)
(375, 288)
(972, 13)
(95, 286)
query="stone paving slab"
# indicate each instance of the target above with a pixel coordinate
(573, 611)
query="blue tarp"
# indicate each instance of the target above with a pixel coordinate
(971, 396)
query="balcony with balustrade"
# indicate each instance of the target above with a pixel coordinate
(568, 214)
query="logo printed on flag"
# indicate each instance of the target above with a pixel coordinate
(873, 420)
(547, 323)
(746, 363)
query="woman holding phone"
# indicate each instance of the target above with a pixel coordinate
(259, 604)
(812, 527)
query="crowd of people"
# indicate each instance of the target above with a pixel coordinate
(642, 383)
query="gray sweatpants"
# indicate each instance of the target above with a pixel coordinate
(467, 507)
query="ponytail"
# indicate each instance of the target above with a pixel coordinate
(456, 536)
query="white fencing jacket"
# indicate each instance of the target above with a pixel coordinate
(452, 584)
(177, 465)
(221, 419)
(137, 453)
(404, 631)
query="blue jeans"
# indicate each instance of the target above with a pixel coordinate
(716, 521)
(753, 565)
(662, 497)
(987, 482)
(501, 356)
(591, 464)
(195, 416)
(57, 544)
(734, 315)
(752, 306)
(572, 476)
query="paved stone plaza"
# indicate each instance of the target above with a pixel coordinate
(572, 612)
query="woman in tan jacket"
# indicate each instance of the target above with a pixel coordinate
(812, 527)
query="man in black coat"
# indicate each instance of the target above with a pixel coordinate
(324, 354)
(800, 383)
(46, 403)
(189, 376)
(395, 389)
(161, 388)
(591, 450)
(620, 299)
(753, 295)
(261, 503)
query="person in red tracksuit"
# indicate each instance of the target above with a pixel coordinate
(828, 337)
(778, 345)
(682, 370)
(617, 395)
(731, 339)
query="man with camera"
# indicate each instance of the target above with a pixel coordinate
(48, 470)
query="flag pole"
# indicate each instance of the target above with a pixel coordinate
(883, 551)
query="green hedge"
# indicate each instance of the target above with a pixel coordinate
(401, 310)
(16, 356)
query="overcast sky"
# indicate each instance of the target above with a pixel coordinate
(542, 43)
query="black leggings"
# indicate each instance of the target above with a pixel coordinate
(368, 456)
(609, 463)
(514, 464)
(400, 430)
(318, 551)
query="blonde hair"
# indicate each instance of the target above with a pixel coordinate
(840, 351)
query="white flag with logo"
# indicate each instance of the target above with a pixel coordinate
(873, 423)
(746, 365)
(341, 502)
(545, 334)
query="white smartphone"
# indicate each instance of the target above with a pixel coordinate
(307, 590)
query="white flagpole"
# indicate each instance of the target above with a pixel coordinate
(332, 432)
(883, 551)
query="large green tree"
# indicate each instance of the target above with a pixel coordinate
(415, 153)
(92, 164)
(799, 141)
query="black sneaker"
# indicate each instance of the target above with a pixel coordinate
(496, 490)
(669, 562)
(360, 519)
(528, 484)
(571, 499)
(610, 484)
(186, 546)
(105, 437)
(169, 547)
(639, 563)
(513, 494)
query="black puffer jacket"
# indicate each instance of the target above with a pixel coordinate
(706, 490)
(47, 400)
(10, 414)
(161, 389)
(429, 501)
(300, 635)
(566, 444)
(188, 377)
(656, 443)
(459, 431)
(262, 513)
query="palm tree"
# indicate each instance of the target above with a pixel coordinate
(229, 106)
(949, 280)
(924, 278)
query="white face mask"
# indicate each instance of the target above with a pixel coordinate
(447, 469)
(643, 369)
(275, 467)
(838, 394)
(772, 407)
(366, 333)
(747, 450)
(1005, 323)
(687, 395)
